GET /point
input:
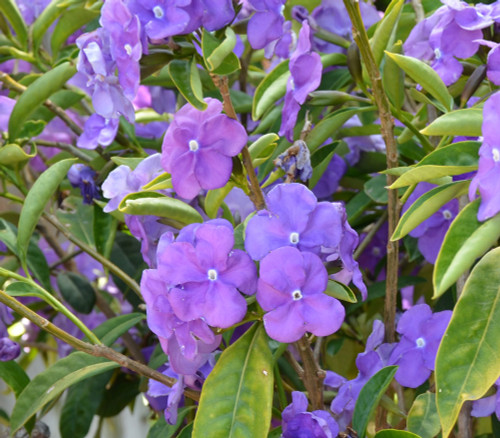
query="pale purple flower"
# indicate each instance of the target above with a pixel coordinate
(290, 290)
(6, 107)
(31, 9)
(206, 275)
(266, 24)
(297, 422)
(198, 148)
(421, 333)
(487, 406)
(9, 349)
(83, 177)
(98, 131)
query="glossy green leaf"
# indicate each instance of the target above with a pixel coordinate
(77, 291)
(466, 240)
(21, 289)
(78, 218)
(394, 433)
(120, 393)
(70, 21)
(218, 55)
(423, 419)
(271, 88)
(376, 189)
(36, 200)
(186, 432)
(14, 376)
(340, 291)
(466, 122)
(385, 30)
(161, 182)
(427, 205)
(215, 198)
(131, 162)
(424, 75)
(429, 173)
(393, 78)
(263, 147)
(37, 93)
(369, 398)
(109, 331)
(81, 404)
(14, 154)
(155, 204)
(237, 396)
(50, 14)
(187, 80)
(161, 429)
(11, 12)
(469, 354)
(328, 126)
(50, 383)
(320, 161)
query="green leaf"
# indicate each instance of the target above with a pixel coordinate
(36, 200)
(385, 30)
(469, 354)
(155, 204)
(127, 161)
(81, 405)
(215, 198)
(236, 398)
(36, 93)
(14, 154)
(161, 429)
(424, 75)
(423, 419)
(49, 384)
(187, 80)
(45, 20)
(376, 189)
(78, 218)
(11, 12)
(466, 122)
(21, 289)
(123, 390)
(219, 56)
(104, 229)
(466, 240)
(320, 161)
(369, 398)
(357, 205)
(393, 78)
(427, 205)
(109, 331)
(186, 432)
(271, 88)
(77, 291)
(395, 433)
(14, 376)
(161, 182)
(263, 148)
(340, 291)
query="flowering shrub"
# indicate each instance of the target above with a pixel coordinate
(283, 215)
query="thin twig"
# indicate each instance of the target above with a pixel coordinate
(64, 147)
(312, 375)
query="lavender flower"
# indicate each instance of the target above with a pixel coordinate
(198, 148)
(298, 422)
(329, 181)
(83, 177)
(421, 333)
(98, 131)
(484, 407)
(266, 24)
(290, 290)
(9, 349)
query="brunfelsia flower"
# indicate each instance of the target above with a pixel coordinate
(421, 333)
(266, 24)
(83, 177)
(290, 290)
(298, 422)
(9, 349)
(205, 275)
(198, 148)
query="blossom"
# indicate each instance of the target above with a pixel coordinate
(266, 24)
(205, 274)
(9, 349)
(83, 177)
(198, 148)
(421, 333)
(290, 290)
(484, 407)
(298, 422)
(328, 183)
(98, 131)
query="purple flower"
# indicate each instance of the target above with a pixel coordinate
(198, 148)
(266, 25)
(484, 407)
(98, 131)
(305, 68)
(83, 177)
(430, 233)
(421, 333)
(297, 422)
(31, 9)
(205, 275)
(9, 349)
(296, 162)
(329, 181)
(487, 179)
(290, 290)
(6, 107)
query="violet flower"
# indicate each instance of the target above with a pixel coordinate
(83, 177)
(9, 349)
(290, 290)
(421, 333)
(329, 181)
(198, 148)
(206, 274)
(98, 131)
(298, 422)
(487, 406)
(266, 24)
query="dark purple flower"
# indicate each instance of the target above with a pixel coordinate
(198, 148)
(9, 349)
(83, 177)
(206, 274)
(421, 333)
(290, 290)
(297, 422)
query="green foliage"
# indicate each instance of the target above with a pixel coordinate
(186, 78)
(423, 419)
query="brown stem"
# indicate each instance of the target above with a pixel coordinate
(256, 195)
(65, 147)
(94, 350)
(312, 375)
(387, 131)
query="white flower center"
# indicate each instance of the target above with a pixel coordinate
(158, 11)
(496, 155)
(212, 274)
(447, 214)
(420, 342)
(294, 238)
(193, 145)
(297, 295)
(128, 49)
(437, 53)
